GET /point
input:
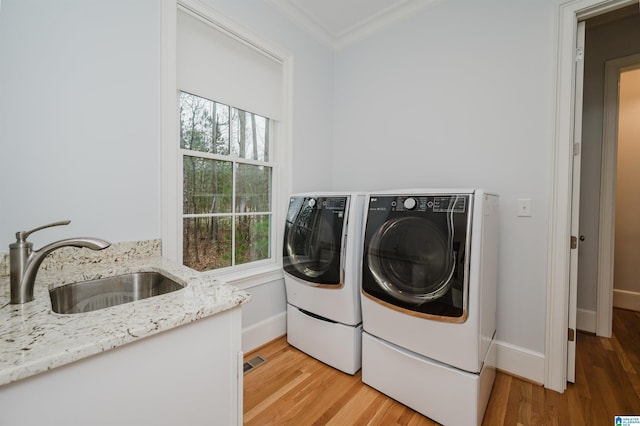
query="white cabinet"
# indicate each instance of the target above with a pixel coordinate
(190, 375)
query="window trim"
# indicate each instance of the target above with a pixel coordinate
(171, 155)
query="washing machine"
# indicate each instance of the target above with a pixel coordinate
(429, 274)
(321, 253)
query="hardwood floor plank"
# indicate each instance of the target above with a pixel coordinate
(263, 407)
(514, 399)
(497, 407)
(555, 410)
(392, 414)
(371, 415)
(278, 372)
(619, 351)
(538, 401)
(292, 388)
(317, 398)
(378, 417)
(606, 343)
(349, 412)
(627, 335)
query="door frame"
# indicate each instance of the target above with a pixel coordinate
(575, 199)
(558, 269)
(606, 228)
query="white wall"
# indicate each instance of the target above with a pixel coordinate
(79, 119)
(461, 95)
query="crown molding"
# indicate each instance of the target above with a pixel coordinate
(359, 31)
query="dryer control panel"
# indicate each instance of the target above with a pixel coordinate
(456, 204)
(418, 203)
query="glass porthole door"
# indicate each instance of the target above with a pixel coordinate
(412, 259)
(313, 239)
(415, 254)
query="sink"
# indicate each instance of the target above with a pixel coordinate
(87, 296)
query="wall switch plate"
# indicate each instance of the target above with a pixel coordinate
(524, 207)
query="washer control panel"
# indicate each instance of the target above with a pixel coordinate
(420, 203)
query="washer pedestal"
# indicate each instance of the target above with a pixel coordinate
(438, 391)
(335, 344)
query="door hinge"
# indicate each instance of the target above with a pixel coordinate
(574, 242)
(572, 335)
(576, 148)
(579, 55)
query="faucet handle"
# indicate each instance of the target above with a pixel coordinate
(21, 236)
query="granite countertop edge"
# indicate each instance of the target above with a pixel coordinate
(34, 339)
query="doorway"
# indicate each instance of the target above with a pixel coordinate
(610, 39)
(560, 268)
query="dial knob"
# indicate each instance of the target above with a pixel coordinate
(312, 202)
(410, 203)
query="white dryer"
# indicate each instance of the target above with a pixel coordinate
(429, 274)
(321, 254)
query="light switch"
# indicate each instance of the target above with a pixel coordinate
(524, 207)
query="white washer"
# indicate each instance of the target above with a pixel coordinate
(429, 274)
(322, 251)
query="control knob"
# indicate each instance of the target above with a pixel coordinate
(410, 203)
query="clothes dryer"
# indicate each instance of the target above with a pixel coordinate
(321, 254)
(429, 274)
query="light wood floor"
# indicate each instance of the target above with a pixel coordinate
(292, 388)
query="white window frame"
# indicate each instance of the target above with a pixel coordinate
(171, 154)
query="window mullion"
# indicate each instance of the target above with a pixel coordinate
(233, 214)
(233, 190)
(222, 157)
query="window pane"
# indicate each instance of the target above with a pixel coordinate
(206, 242)
(207, 185)
(204, 125)
(253, 185)
(249, 135)
(196, 117)
(221, 129)
(252, 238)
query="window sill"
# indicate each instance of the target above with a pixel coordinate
(253, 277)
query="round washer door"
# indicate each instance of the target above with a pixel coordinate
(411, 259)
(314, 232)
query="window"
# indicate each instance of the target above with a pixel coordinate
(226, 167)
(227, 184)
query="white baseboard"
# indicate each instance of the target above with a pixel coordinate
(511, 359)
(586, 320)
(520, 362)
(263, 332)
(626, 299)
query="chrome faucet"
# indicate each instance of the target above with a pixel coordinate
(24, 262)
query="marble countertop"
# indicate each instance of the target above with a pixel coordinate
(34, 339)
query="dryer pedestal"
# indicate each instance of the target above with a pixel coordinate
(335, 344)
(438, 391)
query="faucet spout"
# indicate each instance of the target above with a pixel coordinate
(24, 263)
(36, 257)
